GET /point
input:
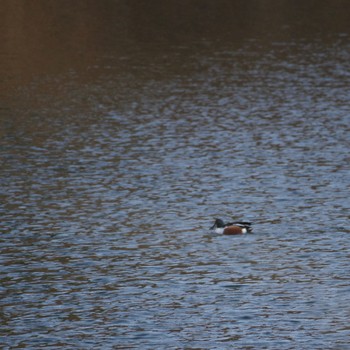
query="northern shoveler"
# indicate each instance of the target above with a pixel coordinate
(231, 228)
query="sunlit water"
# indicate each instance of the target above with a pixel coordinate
(109, 188)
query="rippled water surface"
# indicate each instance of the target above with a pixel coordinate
(113, 172)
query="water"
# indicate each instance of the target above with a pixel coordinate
(113, 171)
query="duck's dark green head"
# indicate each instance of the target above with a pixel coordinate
(218, 223)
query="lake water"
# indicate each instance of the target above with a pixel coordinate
(116, 163)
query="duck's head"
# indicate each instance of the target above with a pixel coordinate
(217, 223)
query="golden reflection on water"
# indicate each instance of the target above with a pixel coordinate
(44, 37)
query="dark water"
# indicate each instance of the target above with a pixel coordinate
(115, 161)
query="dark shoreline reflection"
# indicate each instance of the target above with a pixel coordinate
(48, 36)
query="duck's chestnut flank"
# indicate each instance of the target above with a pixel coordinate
(231, 228)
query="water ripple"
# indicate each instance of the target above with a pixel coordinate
(105, 219)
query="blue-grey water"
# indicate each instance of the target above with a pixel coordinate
(112, 172)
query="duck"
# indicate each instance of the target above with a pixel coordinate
(231, 228)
